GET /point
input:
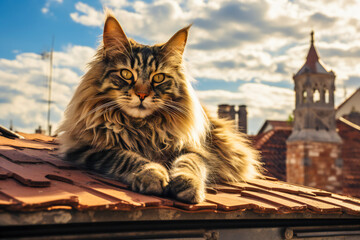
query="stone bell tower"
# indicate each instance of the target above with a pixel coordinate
(313, 148)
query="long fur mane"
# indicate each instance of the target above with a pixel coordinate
(92, 119)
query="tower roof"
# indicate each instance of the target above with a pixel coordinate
(312, 64)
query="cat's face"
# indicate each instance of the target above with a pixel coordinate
(141, 79)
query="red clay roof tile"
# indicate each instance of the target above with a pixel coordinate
(23, 174)
(350, 135)
(195, 207)
(272, 147)
(33, 178)
(284, 204)
(16, 156)
(24, 143)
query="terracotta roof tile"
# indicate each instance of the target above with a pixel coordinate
(23, 174)
(38, 137)
(4, 173)
(275, 125)
(30, 181)
(350, 134)
(207, 206)
(227, 202)
(16, 156)
(47, 157)
(283, 203)
(6, 201)
(28, 198)
(24, 143)
(272, 147)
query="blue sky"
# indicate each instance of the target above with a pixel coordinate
(27, 29)
(239, 51)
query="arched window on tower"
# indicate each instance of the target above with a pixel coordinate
(304, 96)
(316, 95)
(327, 96)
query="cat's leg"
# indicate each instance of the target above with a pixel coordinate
(143, 175)
(188, 178)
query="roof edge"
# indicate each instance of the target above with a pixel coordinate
(10, 133)
(346, 100)
(349, 123)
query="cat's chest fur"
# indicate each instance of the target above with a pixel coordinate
(152, 139)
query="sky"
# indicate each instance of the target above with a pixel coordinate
(238, 51)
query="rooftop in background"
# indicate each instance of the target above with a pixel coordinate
(275, 125)
(351, 104)
(271, 141)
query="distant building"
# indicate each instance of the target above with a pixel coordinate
(39, 130)
(271, 141)
(350, 108)
(228, 112)
(322, 148)
(314, 146)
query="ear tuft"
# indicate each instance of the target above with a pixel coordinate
(114, 35)
(178, 41)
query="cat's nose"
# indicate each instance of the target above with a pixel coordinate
(142, 95)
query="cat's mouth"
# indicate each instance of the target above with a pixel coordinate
(141, 106)
(138, 111)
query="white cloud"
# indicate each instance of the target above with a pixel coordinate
(240, 40)
(256, 42)
(263, 102)
(48, 3)
(23, 86)
(114, 3)
(88, 16)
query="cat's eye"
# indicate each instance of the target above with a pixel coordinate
(126, 74)
(158, 78)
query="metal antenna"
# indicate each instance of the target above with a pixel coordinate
(50, 81)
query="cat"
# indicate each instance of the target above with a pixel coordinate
(136, 118)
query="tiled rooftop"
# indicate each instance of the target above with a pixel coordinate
(272, 147)
(34, 178)
(350, 134)
(271, 142)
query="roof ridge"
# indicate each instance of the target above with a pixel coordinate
(266, 136)
(349, 123)
(346, 100)
(7, 132)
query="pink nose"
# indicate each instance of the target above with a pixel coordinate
(141, 95)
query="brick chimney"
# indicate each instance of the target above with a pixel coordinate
(242, 120)
(40, 130)
(226, 111)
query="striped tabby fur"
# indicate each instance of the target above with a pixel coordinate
(152, 135)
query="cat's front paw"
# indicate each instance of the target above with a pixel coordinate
(187, 189)
(151, 180)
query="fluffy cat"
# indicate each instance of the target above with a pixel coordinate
(135, 117)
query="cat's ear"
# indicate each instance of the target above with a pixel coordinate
(178, 41)
(114, 36)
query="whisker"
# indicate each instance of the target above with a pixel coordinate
(101, 107)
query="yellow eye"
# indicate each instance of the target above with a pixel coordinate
(126, 74)
(158, 78)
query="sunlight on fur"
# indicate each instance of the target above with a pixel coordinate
(135, 117)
